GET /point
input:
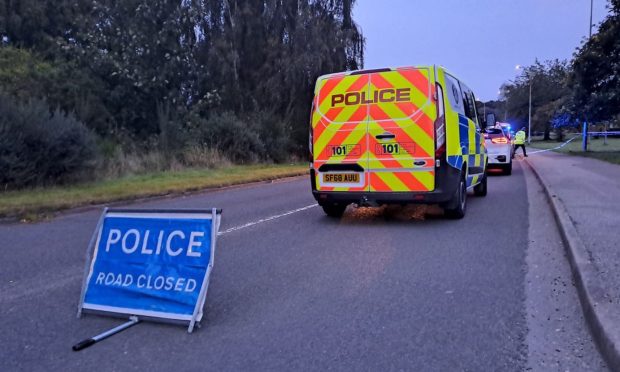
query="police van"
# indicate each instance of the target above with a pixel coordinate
(395, 136)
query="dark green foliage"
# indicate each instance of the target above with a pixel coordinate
(495, 107)
(275, 134)
(25, 75)
(121, 60)
(595, 78)
(228, 134)
(266, 56)
(49, 26)
(168, 75)
(550, 95)
(41, 148)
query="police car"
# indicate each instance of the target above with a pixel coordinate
(500, 149)
(395, 136)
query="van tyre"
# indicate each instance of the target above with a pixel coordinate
(481, 188)
(458, 204)
(334, 210)
(508, 169)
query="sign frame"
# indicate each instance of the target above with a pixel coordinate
(215, 215)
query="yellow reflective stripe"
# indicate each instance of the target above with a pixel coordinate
(426, 178)
(340, 188)
(331, 131)
(453, 134)
(409, 126)
(345, 115)
(472, 138)
(316, 117)
(354, 137)
(375, 163)
(393, 182)
(420, 99)
(341, 88)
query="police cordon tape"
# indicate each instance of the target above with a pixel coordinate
(600, 134)
(152, 264)
(555, 148)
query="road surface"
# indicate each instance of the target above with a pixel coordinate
(379, 289)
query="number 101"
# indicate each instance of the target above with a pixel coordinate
(390, 148)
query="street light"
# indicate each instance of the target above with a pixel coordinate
(529, 119)
(591, 6)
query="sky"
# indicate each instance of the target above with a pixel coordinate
(480, 41)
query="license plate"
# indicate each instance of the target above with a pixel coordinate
(341, 177)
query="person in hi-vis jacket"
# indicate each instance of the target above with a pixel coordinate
(520, 141)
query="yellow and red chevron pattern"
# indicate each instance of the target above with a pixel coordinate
(383, 121)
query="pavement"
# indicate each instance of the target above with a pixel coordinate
(585, 196)
(558, 338)
(379, 289)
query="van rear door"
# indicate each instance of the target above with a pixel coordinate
(401, 134)
(339, 132)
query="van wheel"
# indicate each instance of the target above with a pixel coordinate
(481, 188)
(508, 169)
(334, 210)
(459, 201)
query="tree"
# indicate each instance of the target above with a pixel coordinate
(144, 71)
(143, 53)
(595, 79)
(550, 94)
(492, 107)
(47, 26)
(25, 75)
(266, 56)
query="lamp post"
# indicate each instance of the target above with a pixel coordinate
(529, 114)
(591, 6)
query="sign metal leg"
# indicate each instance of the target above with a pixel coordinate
(133, 320)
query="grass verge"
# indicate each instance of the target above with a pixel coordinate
(597, 149)
(33, 203)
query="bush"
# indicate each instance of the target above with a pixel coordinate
(41, 148)
(26, 75)
(199, 156)
(236, 139)
(276, 137)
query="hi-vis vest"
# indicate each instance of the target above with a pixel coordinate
(520, 138)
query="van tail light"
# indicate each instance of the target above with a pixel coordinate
(440, 125)
(499, 140)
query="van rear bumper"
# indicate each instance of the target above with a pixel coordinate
(446, 182)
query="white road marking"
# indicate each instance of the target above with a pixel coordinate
(249, 224)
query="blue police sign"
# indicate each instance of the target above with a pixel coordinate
(151, 263)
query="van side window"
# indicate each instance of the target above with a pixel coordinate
(454, 94)
(470, 103)
(476, 113)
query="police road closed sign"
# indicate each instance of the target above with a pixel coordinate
(151, 263)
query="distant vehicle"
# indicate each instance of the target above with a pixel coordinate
(507, 128)
(395, 136)
(500, 149)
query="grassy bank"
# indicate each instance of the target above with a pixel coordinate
(596, 148)
(29, 204)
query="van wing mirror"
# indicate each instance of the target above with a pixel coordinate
(490, 120)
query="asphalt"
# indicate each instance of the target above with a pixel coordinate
(379, 289)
